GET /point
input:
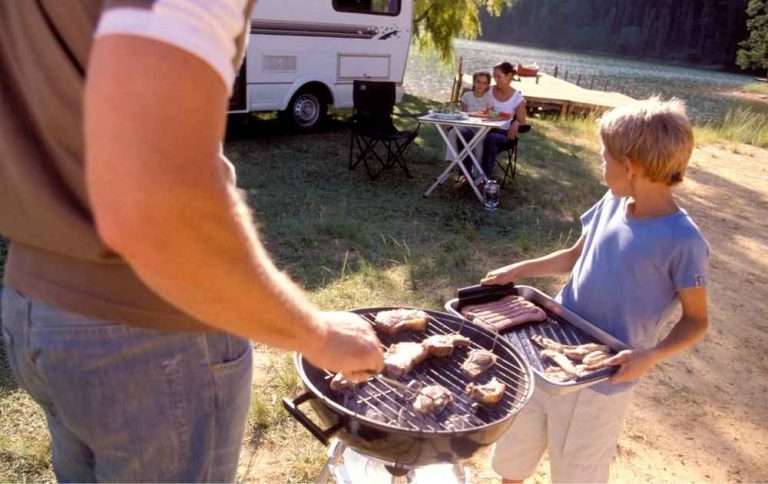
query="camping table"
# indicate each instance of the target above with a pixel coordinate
(481, 127)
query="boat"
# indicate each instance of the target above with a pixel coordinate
(528, 70)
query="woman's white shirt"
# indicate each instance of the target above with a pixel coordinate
(508, 106)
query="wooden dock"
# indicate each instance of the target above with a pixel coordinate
(549, 93)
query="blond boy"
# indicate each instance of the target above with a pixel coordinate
(638, 255)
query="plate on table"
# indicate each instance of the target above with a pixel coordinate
(449, 116)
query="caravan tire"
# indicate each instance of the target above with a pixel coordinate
(306, 111)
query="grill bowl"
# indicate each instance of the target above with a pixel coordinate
(403, 442)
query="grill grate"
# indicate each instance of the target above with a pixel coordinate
(385, 403)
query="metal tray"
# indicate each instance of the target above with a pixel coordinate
(562, 325)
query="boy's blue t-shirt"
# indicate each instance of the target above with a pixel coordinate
(629, 272)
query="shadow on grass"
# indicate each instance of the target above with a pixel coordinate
(7, 381)
(321, 221)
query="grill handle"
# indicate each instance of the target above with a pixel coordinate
(473, 292)
(292, 406)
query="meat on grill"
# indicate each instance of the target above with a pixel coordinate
(566, 370)
(576, 353)
(456, 422)
(397, 320)
(558, 374)
(400, 358)
(432, 399)
(339, 383)
(595, 359)
(505, 313)
(444, 344)
(477, 362)
(561, 360)
(489, 394)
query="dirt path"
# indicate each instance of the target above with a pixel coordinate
(701, 416)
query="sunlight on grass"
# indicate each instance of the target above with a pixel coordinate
(756, 88)
(24, 444)
(742, 125)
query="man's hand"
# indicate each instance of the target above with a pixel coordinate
(632, 364)
(350, 347)
(501, 276)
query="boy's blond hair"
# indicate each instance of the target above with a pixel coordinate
(653, 133)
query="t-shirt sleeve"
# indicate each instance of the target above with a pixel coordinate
(465, 98)
(588, 217)
(689, 264)
(205, 29)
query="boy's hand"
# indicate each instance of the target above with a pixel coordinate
(500, 276)
(632, 364)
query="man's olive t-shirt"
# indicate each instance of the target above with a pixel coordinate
(56, 254)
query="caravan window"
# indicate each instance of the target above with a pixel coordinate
(375, 7)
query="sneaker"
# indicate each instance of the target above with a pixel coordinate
(461, 184)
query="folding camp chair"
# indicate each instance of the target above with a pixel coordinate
(511, 147)
(372, 128)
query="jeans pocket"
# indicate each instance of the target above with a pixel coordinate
(238, 356)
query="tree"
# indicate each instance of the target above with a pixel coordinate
(437, 22)
(754, 50)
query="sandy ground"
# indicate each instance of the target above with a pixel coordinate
(750, 96)
(702, 416)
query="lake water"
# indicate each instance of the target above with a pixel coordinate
(706, 92)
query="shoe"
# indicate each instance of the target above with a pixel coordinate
(462, 184)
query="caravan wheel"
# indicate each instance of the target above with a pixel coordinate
(307, 110)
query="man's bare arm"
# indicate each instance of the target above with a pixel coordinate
(155, 117)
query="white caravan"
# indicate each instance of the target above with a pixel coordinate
(304, 54)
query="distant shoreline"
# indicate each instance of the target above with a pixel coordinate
(608, 55)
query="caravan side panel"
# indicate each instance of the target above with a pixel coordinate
(297, 41)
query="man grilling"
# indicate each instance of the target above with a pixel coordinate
(135, 278)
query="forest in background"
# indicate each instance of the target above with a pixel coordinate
(700, 32)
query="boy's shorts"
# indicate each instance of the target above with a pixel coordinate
(580, 429)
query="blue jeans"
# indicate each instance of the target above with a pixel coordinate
(493, 140)
(130, 404)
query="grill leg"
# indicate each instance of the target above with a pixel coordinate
(334, 457)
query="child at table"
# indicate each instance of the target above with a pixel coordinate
(638, 256)
(478, 101)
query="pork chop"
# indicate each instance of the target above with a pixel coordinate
(477, 362)
(397, 320)
(400, 358)
(432, 399)
(444, 344)
(489, 393)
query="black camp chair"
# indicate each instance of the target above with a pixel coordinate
(511, 147)
(372, 128)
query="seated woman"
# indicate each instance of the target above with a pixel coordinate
(509, 103)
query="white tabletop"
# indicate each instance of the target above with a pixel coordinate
(466, 121)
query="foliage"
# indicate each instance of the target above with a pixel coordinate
(698, 31)
(754, 50)
(438, 22)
